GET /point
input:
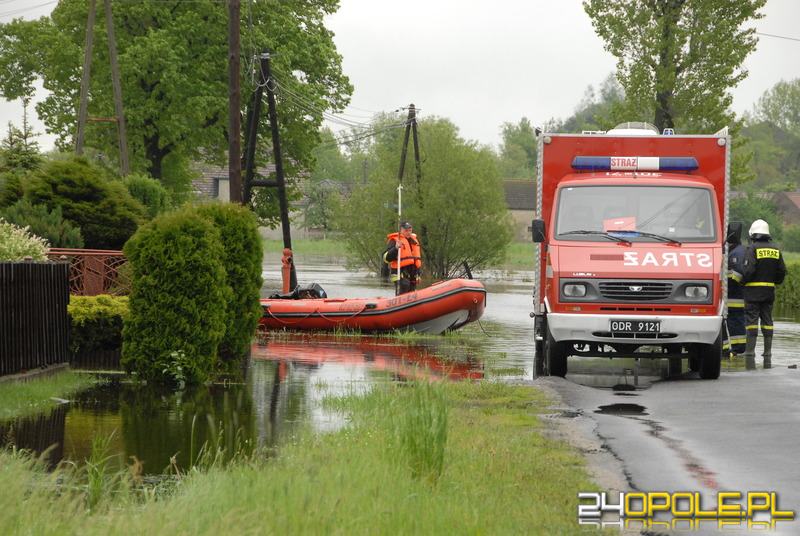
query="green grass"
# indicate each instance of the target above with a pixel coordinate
(431, 459)
(307, 246)
(519, 255)
(21, 398)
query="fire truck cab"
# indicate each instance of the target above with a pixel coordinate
(630, 258)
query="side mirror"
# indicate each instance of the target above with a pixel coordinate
(734, 231)
(538, 231)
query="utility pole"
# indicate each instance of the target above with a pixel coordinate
(276, 151)
(253, 116)
(404, 151)
(122, 134)
(83, 107)
(412, 118)
(234, 105)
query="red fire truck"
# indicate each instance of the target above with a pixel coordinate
(631, 247)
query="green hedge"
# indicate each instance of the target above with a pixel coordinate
(96, 322)
(242, 255)
(787, 295)
(178, 299)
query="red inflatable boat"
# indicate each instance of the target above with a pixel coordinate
(443, 306)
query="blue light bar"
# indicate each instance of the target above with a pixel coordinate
(635, 163)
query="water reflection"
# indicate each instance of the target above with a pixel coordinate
(283, 393)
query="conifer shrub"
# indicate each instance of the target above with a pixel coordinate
(178, 299)
(49, 224)
(149, 192)
(103, 209)
(242, 255)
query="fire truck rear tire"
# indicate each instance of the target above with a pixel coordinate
(710, 359)
(538, 358)
(555, 357)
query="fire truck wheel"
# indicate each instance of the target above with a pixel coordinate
(710, 359)
(538, 358)
(555, 357)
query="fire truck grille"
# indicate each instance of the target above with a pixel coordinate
(635, 290)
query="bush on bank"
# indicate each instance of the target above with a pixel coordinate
(787, 295)
(96, 322)
(241, 256)
(178, 299)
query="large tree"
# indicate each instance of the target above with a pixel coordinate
(678, 59)
(173, 60)
(457, 207)
(517, 158)
(780, 105)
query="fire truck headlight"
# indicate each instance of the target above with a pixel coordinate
(695, 292)
(575, 290)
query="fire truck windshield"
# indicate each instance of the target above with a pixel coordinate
(636, 213)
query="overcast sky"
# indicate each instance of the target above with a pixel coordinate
(483, 63)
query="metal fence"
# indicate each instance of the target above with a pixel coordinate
(94, 271)
(34, 326)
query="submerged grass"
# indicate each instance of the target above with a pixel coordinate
(415, 458)
(22, 398)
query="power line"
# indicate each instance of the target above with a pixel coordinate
(778, 36)
(21, 10)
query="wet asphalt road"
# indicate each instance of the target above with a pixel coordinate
(738, 433)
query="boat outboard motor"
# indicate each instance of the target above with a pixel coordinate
(309, 292)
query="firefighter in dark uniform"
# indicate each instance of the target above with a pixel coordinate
(736, 324)
(407, 245)
(763, 269)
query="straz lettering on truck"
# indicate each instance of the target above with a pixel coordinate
(664, 259)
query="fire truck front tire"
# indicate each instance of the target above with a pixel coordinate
(710, 359)
(555, 357)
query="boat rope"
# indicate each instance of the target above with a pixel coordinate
(343, 319)
(284, 322)
(483, 330)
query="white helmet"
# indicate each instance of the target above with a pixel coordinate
(759, 227)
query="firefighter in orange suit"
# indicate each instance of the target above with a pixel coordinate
(407, 245)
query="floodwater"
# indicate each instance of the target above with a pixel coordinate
(291, 375)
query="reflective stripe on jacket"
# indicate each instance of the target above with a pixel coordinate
(763, 269)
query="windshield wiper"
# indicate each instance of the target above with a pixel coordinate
(653, 235)
(598, 233)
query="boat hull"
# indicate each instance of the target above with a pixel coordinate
(443, 306)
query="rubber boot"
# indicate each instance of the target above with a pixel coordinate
(750, 346)
(767, 350)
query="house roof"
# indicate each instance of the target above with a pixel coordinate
(520, 194)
